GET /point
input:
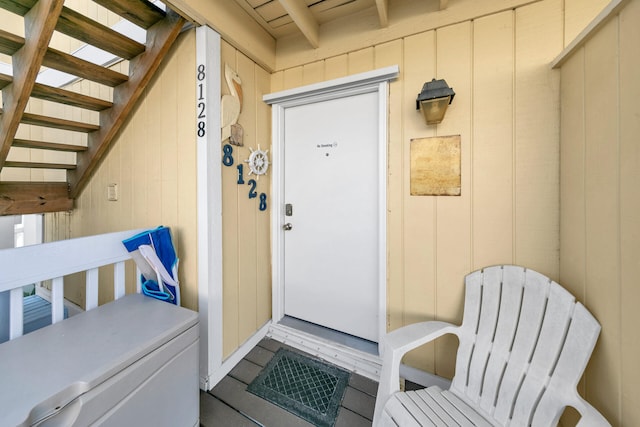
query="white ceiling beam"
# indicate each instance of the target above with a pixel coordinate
(383, 12)
(444, 4)
(302, 17)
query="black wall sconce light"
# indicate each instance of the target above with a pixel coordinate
(434, 99)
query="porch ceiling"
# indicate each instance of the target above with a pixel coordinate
(282, 18)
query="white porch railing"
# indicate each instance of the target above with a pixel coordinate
(53, 261)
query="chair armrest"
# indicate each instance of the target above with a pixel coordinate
(396, 345)
(590, 415)
(412, 336)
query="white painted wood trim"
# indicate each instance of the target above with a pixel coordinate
(16, 315)
(336, 85)
(57, 300)
(119, 281)
(231, 361)
(351, 359)
(209, 209)
(277, 206)
(372, 81)
(383, 135)
(91, 297)
(57, 259)
(611, 10)
(138, 280)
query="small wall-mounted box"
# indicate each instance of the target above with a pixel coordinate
(112, 192)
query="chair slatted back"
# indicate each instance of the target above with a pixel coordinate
(525, 343)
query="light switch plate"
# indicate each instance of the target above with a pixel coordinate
(112, 192)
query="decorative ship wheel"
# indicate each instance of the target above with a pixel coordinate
(258, 162)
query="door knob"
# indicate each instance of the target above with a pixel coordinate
(287, 226)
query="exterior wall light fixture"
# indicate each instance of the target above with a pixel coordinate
(434, 99)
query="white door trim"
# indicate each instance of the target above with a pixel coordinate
(371, 81)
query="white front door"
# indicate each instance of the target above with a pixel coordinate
(331, 192)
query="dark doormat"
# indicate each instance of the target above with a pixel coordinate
(308, 388)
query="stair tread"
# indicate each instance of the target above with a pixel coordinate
(53, 122)
(143, 13)
(95, 34)
(38, 165)
(43, 145)
(62, 96)
(84, 29)
(10, 44)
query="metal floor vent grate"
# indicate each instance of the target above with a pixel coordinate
(306, 387)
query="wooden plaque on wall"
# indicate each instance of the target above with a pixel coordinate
(435, 166)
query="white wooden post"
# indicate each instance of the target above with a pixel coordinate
(209, 178)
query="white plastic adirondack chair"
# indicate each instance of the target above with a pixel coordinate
(524, 344)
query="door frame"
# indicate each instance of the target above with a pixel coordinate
(371, 81)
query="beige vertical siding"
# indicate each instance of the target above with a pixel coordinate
(453, 248)
(153, 162)
(506, 110)
(600, 201)
(246, 237)
(578, 13)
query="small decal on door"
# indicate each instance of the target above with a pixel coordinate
(330, 145)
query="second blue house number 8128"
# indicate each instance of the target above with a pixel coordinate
(227, 160)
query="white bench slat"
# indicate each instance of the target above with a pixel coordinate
(92, 280)
(118, 280)
(57, 299)
(16, 315)
(138, 281)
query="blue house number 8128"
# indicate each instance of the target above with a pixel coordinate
(227, 160)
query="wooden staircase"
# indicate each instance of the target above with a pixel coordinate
(31, 53)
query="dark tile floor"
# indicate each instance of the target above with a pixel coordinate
(228, 404)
